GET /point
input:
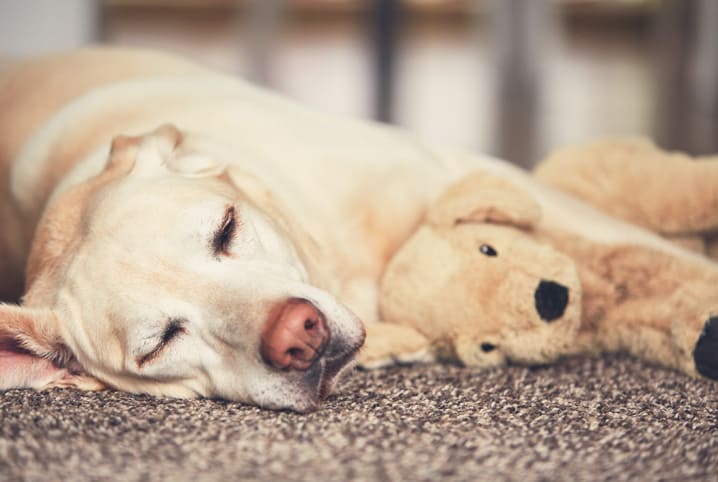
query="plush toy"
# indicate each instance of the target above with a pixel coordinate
(669, 193)
(505, 269)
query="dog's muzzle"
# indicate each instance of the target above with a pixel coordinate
(297, 340)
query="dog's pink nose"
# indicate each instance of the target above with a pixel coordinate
(294, 336)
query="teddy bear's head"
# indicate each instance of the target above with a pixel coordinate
(476, 281)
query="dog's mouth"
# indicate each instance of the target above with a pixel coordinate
(319, 382)
(332, 369)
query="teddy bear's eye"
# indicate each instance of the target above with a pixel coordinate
(487, 347)
(487, 250)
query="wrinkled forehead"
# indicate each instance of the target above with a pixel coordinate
(156, 209)
(142, 241)
(145, 237)
(168, 192)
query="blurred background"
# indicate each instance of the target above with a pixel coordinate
(512, 78)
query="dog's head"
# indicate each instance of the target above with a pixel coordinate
(163, 275)
(476, 279)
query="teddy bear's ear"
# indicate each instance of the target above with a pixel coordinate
(484, 198)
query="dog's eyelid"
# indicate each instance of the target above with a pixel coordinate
(222, 237)
(174, 328)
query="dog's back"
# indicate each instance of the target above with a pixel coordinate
(32, 91)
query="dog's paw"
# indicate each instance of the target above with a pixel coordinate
(388, 344)
(78, 381)
(705, 353)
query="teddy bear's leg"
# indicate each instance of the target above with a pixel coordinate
(666, 192)
(696, 343)
(390, 344)
(705, 353)
(672, 332)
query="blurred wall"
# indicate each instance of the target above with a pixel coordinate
(513, 78)
(33, 27)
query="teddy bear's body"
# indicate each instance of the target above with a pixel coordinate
(506, 269)
(641, 301)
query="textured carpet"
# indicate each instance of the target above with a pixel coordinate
(610, 418)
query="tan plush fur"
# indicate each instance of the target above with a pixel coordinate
(472, 278)
(667, 192)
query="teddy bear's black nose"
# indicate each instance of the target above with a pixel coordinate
(551, 299)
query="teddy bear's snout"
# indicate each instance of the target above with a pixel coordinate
(551, 299)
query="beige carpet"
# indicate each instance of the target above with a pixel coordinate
(610, 418)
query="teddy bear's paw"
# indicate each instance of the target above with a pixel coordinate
(705, 354)
(424, 355)
(388, 344)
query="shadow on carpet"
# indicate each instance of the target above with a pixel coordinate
(609, 418)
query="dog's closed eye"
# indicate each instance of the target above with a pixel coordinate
(174, 328)
(222, 238)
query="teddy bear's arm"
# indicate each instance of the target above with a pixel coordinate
(390, 344)
(669, 193)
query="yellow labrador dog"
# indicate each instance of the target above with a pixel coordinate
(183, 233)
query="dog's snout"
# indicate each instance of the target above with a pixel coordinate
(551, 299)
(295, 336)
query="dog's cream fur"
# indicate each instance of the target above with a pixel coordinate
(121, 230)
(116, 235)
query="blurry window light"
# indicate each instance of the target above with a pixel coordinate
(460, 6)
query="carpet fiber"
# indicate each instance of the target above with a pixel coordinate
(609, 418)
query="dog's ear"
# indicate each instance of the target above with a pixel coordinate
(62, 216)
(484, 198)
(32, 354)
(163, 150)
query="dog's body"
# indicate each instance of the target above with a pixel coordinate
(319, 205)
(357, 188)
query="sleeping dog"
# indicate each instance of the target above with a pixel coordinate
(183, 233)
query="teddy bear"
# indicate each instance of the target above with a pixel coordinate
(505, 268)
